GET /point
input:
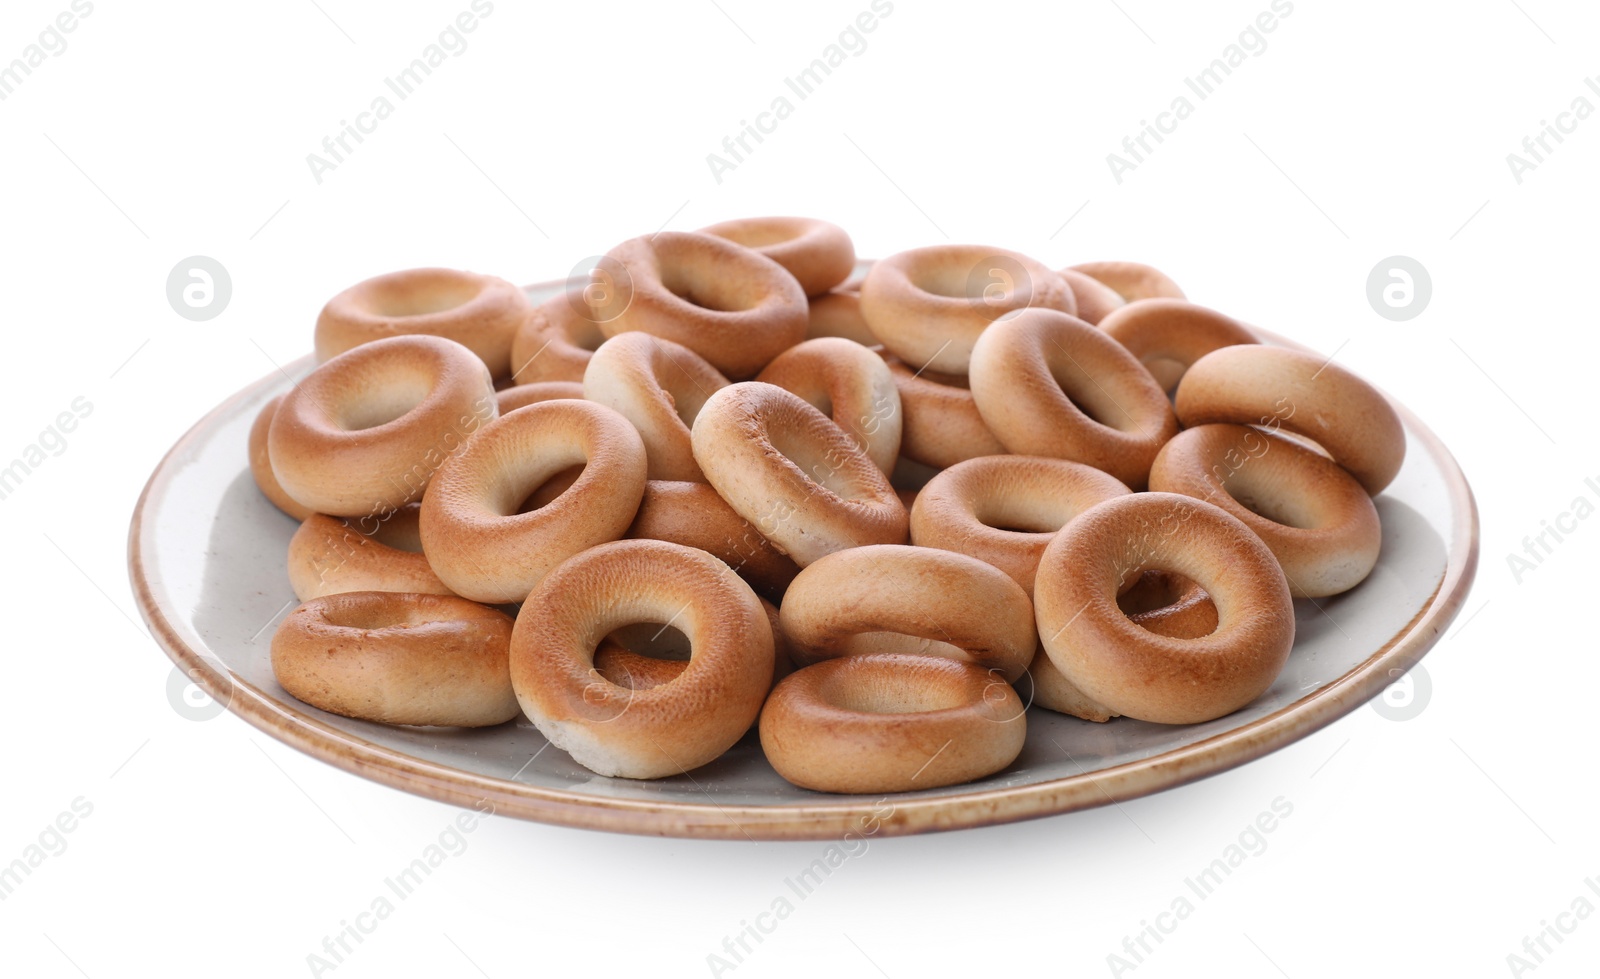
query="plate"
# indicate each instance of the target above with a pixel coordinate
(206, 560)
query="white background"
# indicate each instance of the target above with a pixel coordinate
(1364, 130)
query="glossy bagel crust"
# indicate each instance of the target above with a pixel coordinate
(1304, 393)
(659, 386)
(928, 306)
(793, 474)
(1317, 520)
(522, 395)
(1133, 671)
(1169, 335)
(261, 464)
(481, 312)
(1132, 280)
(937, 602)
(1004, 510)
(642, 733)
(941, 425)
(849, 383)
(1032, 371)
(1095, 299)
(693, 514)
(556, 341)
(330, 555)
(398, 658)
(366, 431)
(891, 723)
(475, 538)
(818, 254)
(733, 306)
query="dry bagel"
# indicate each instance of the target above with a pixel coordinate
(481, 312)
(365, 432)
(476, 540)
(792, 473)
(733, 306)
(642, 733)
(397, 658)
(1049, 384)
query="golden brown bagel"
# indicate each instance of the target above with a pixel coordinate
(1304, 393)
(261, 464)
(1133, 671)
(1095, 299)
(1317, 520)
(480, 312)
(397, 658)
(793, 474)
(1132, 280)
(850, 384)
(556, 341)
(899, 598)
(1049, 384)
(891, 723)
(477, 542)
(941, 425)
(659, 386)
(694, 515)
(382, 552)
(733, 306)
(642, 733)
(928, 306)
(1003, 510)
(364, 432)
(1168, 335)
(818, 254)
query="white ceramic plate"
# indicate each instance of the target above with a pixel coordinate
(206, 556)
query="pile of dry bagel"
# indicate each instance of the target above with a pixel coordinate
(727, 483)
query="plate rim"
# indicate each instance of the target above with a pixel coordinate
(825, 819)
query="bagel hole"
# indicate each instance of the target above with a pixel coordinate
(551, 488)
(377, 615)
(821, 464)
(1272, 508)
(1088, 396)
(1156, 591)
(901, 643)
(393, 399)
(1254, 487)
(1152, 590)
(878, 694)
(444, 295)
(654, 640)
(704, 293)
(1016, 516)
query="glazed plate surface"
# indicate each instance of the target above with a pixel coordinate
(206, 555)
